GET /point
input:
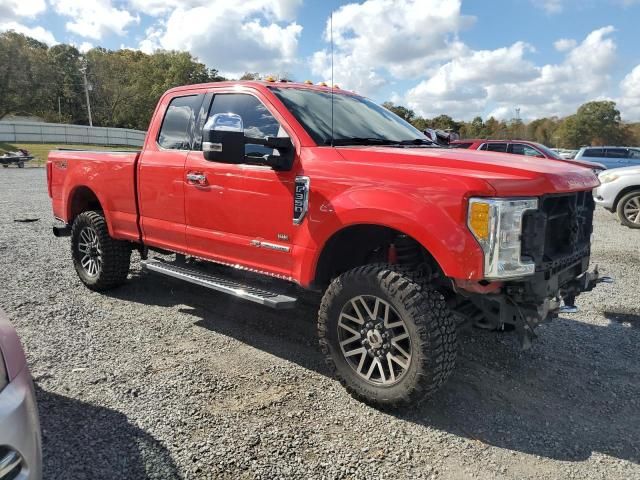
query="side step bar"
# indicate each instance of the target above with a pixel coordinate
(220, 284)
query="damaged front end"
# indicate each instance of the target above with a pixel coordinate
(554, 242)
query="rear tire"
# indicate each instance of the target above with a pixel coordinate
(379, 323)
(4, 165)
(100, 261)
(628, 209)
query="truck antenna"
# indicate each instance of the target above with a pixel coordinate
(332, 84)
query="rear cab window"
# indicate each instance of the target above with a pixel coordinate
(460, 145)
(176, 132)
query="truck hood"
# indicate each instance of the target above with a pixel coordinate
(507, 174)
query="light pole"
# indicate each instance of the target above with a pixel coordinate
(83, 69)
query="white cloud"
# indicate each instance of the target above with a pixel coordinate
(629, 102)
(564, 44)
(10, 9)
(550, 6)
(95, 18)
(38, 33)
(14, 12)
(380, 37)
(497, 81)
(260, 36)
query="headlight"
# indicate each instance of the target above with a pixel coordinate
(607, 177)
(497, 225)
(4, 376)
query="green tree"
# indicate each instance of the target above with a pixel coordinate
(599, 123)
(403, 112)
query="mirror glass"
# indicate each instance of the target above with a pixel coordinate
(225, 122)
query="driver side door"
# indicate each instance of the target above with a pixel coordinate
(241, 214)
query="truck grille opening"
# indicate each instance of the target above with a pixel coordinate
(558, 234)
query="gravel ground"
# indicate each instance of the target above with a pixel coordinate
(163, 380)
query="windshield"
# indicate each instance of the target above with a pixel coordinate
(547, 151)
(356, 120)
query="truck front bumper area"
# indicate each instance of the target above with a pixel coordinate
(525, 304)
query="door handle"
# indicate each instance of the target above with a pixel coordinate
(197, 178)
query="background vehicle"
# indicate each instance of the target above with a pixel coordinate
(325, 190)
(20, 450)
(619, 192)
(522, 147)
(565, 153)
(18, 158)
(610, 157)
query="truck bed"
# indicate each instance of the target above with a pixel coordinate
(110, 175)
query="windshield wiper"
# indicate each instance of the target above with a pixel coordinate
(360, 141)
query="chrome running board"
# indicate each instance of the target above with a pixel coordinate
(220, 284)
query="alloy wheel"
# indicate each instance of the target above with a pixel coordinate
(89, 248)
(631, 209)
(374, 340)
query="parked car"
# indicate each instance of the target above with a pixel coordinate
(522, 147)
(20, 444)
(265, 194)
(611, 157)
(619, 192)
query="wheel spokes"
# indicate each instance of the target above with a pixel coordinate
(383, 354)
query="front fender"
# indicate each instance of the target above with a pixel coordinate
(437, 221)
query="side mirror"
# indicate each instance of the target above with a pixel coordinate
(224, 138)
(224, 141)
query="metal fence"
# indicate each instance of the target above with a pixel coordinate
(40, 132)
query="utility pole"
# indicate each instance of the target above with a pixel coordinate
(83, 69)
(59, 110)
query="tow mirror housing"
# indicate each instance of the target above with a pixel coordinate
(224, 141)
(224, 138)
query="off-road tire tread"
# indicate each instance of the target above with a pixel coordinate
(434, 322)
(116, 254)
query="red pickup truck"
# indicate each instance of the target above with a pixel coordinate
(313, 187)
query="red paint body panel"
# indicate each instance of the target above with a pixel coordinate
(422, 192)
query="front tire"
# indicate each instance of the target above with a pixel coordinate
(389, 340)
(100, 261)
(20, 164)
(629, 209)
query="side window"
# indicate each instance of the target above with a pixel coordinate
(256, 119)
(526, 150)
(497, 147)
(617, 153)
(175, 132)
(593, 152)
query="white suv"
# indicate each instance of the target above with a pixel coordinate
(620, 192)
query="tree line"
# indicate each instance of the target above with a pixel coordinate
(595, 123)
(125, 85)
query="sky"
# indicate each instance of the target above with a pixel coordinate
(462, 58)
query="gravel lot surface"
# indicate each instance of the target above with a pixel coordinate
(159, 379)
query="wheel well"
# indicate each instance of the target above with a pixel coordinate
(83, 199)
(623, 192)
(358, 245)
